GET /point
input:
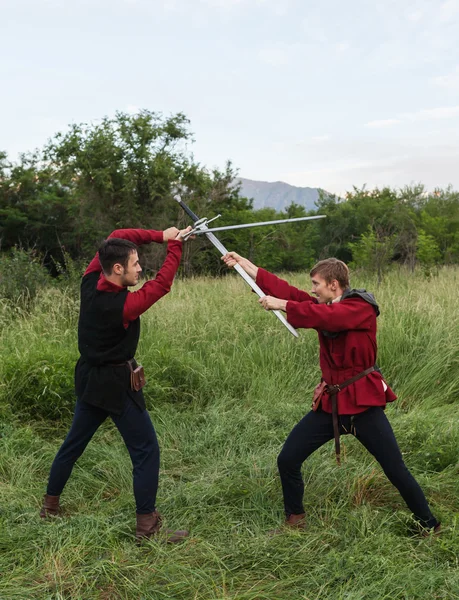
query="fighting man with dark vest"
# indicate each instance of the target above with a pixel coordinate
(108, 381)
(352, 394)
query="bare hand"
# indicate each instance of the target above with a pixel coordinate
(170, 234)
(183, 232)
(271, 303)
(232, 258)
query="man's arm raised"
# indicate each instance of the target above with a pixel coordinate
(138, 237)
(153, 290)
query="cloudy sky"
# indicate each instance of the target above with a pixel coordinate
(324, 94)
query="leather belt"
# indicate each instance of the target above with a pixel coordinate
(333, 390)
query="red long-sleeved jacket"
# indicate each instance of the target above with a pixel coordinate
(344, 356)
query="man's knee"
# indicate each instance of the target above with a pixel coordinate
(148, 452)
(286, 461)
(397, 472)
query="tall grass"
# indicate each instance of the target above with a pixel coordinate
(226, 383)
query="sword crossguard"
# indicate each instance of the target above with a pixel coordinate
(199, 225)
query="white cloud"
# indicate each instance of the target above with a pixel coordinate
(415, 15)
(222, 3)
(451, 80)
(448, 10)
(436, 169)
(276, 55)
(283, 53)
(441, 112)
(343, 47)
(170, 6)
(382, 123)
(320, 138)
(229, 4)
(315, 29)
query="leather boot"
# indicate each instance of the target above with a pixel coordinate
(50, 506)
(296, 521)
(150, 524)
(433, 531)
(291, 522)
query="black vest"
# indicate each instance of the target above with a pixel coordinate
(103, 342)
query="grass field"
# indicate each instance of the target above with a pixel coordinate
(226, 383)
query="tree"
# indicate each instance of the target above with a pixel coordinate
(427, 252)
(119, 172)
(374, 250)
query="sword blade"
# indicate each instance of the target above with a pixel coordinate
(245, 276)
(245, 225)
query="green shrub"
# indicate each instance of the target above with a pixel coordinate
(22, 275)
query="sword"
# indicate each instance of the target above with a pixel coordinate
(197, 230)
(201, 224)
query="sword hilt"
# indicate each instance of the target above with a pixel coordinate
(200, 225)
(186, 208)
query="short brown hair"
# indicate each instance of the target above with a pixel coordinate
(115, 250)
(332, 268)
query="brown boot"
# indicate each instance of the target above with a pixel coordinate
(150, 524)
(433, 531)
(291, 522)
(50, 506)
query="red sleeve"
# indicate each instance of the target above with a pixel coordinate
(274, 286)
(151, 291)
(138, 236)
(340, 316)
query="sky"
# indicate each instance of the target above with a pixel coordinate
(326, 94)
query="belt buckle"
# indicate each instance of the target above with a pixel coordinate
(333, 389)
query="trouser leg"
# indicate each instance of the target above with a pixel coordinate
(86, 420)
(374, 431)
(139, 435)
(314, 430)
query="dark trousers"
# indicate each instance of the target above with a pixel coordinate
(374, 431)
(138, 434)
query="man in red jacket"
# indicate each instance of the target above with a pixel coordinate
(107, 378)
(353, 393)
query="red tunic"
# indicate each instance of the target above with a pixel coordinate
(350, 353)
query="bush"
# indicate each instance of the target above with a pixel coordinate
(22, 275)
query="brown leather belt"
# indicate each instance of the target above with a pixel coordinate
(333, 390)
(126, 363)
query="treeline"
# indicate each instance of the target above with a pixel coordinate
(59, 202)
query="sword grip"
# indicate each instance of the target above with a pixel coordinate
(188, 210)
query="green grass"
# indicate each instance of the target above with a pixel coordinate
(226, 383)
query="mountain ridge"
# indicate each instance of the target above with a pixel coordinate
(277, 194)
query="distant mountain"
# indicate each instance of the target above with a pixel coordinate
(277, 194)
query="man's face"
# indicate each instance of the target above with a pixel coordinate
(130, 274)
(325, 292)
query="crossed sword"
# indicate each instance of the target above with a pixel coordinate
(201, 228)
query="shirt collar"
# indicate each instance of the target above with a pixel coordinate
(103, 285)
